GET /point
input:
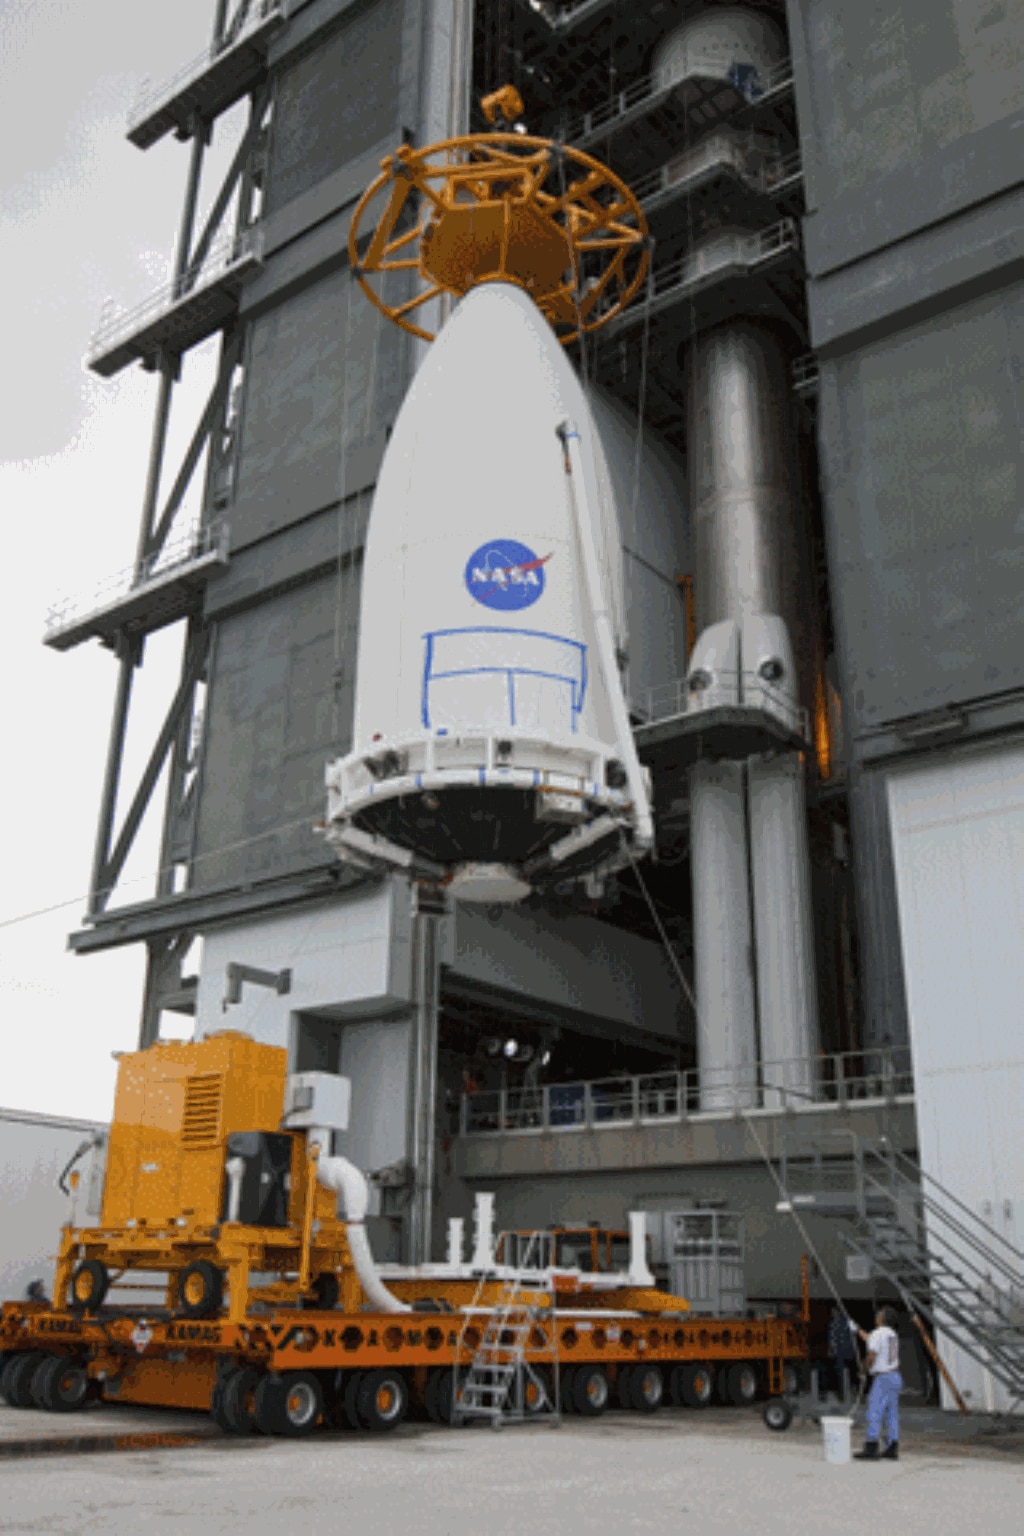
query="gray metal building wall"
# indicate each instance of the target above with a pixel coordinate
(324, 376)
(911, 119)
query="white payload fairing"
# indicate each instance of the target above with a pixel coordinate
(491, 744)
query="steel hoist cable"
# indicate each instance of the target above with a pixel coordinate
(336, 673)
(673, 957)
(787, 1202)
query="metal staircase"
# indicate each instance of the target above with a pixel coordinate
(945, 1262)
(494, 1380)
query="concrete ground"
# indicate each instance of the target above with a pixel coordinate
(23, 1430)
(713, 1472)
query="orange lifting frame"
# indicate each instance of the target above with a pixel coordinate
(502, 207)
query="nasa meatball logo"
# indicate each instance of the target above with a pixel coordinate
(505, 575)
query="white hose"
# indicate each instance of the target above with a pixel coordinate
(235, 1170)
(346, 1180)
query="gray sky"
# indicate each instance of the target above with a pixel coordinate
(83, 214)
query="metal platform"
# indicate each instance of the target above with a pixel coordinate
(718, 158)
(704, 97)
(179, 314)
(208, 84)
(735, 257)
(129, 603)
(673, 729)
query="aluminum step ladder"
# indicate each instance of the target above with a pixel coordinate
(509, 1373)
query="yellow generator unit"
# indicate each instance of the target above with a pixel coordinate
(210, 1179)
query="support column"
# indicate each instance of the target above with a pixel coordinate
(130, 655)
(780, 876)
(722, 938)
(423, 1139)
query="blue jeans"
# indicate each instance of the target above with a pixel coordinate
(884, 1406)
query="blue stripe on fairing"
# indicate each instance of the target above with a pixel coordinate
(578, 687)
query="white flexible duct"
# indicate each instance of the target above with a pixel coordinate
(585, 502)
(346, 1180)
(235, 1170)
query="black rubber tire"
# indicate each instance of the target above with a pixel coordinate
(217, 1400)
(289, 1405)
(777, 1414)
(695, 1384)
(350, 1398)
(743, 1383)
(722, 1384)
(647, 1388)
(591, 1391)
(200, 1289)
(233, 1404)
(61, 1384)
(623, 1390)
(567, 1389)
(382, 1400)
(19, 1375)
(792, 1378)
(266, 1392)
(326, 1293)
(7, 1370)
(439, 1397)
(90, 1283)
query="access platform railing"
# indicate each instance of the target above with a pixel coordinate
(797, 1083)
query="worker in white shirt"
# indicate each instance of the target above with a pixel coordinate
(883, 1364)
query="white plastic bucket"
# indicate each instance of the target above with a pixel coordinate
(836, 1433)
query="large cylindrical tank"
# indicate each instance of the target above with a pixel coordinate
(748, 523)
(784, 925)
(744, 495)
(715, 41)
(722, 942)
(650, 494)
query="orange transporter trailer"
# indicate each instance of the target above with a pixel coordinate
(219, 1172)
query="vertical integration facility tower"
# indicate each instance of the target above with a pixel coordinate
(811, 418)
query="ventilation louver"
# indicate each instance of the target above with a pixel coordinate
(200, 1125)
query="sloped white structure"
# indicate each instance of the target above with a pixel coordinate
(491, 743)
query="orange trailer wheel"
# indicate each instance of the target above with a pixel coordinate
(382, 1399)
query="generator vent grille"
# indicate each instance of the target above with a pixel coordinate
(200, 1125)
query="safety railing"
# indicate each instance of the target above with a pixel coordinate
(719, 151)
(651, 90)
(747, 690)
(152, 94)
(805, 374)
(798, 1083)
(930, 1211)
(117, 325)
(189, 548)
(726, 253)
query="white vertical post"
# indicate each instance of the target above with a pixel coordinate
(483, 1232)
(455, 1234)
(639, 1274)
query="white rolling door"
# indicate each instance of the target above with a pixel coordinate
(958, 841)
